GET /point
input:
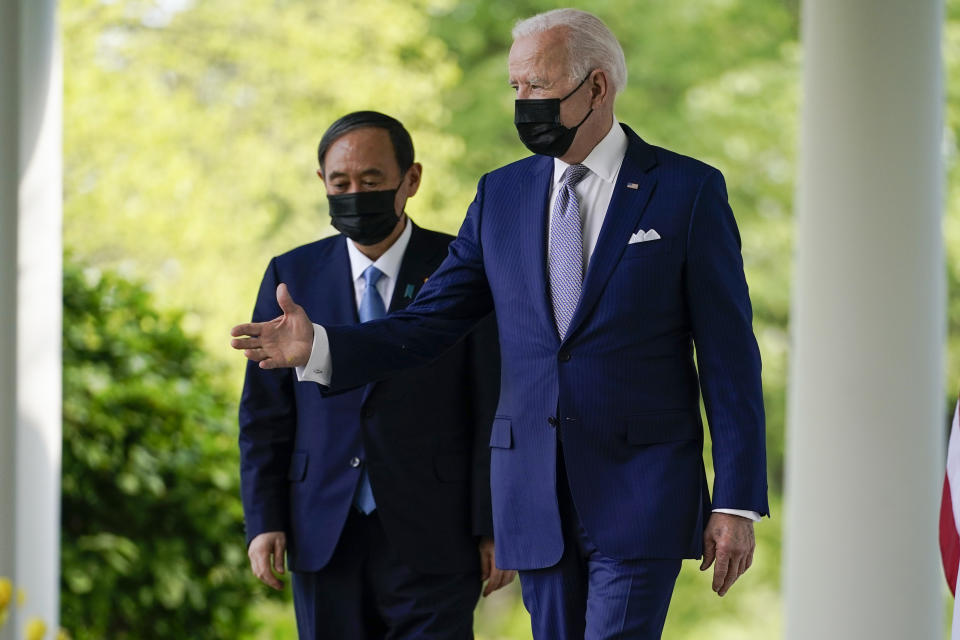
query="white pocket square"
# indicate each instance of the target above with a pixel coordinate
(644, 236)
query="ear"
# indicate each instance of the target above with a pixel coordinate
(320, 174)
(414, 174)
(599, 87)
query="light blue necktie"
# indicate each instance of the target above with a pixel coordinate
(566, 249)
(371, 308)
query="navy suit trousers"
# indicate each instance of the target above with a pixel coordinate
(589, 596)
(366, 592)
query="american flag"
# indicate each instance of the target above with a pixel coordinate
(950, 517)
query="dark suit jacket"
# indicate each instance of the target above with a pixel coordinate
(621, 388)
(423, 434)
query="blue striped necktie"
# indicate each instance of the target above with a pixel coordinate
(371, 308)
(566, 249)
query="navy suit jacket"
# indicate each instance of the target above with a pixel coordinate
(621, 391)
(422, 434)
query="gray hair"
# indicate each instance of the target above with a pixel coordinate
(590, 45)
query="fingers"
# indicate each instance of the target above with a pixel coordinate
(498, 580)
(246, 343)
(733, 575)
(284, 300)
(728, 544)
(737, 565)
(248, 329)
(486, 563)
(279, 547)
(260, 565)
(261, 549)
(720, 571)
(709, 552)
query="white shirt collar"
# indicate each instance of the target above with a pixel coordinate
(388, 263)
(605, 158)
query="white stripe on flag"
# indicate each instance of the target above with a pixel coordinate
(953, 466)
(955, 629)
(953, 476)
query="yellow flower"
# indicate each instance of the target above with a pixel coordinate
(36, 629)
(6, 590)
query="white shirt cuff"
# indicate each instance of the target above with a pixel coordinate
(319, 367)
(752, 515)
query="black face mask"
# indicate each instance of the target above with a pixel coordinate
(539, 126)
(366, 217)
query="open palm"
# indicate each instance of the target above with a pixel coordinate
(285, 341)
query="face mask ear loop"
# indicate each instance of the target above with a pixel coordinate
(573, 92)
(577, 88)
(584, 118)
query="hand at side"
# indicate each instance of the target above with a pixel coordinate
(267, 552)
(729, 540)
(495, 578)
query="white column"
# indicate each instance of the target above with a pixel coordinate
(865, 417)
(9, 126)
(31, 104)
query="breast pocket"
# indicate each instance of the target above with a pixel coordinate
(647, 249)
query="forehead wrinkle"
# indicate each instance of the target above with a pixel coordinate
(543, 57)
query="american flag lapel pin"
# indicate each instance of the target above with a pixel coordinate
(632, 185)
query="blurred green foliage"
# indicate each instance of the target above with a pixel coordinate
(191, 128)
(151, 510)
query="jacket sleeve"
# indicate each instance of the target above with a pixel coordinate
(728, 359)
(267, 421)
(455, 298)
(483, 350)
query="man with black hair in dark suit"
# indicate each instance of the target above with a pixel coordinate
(379, 496)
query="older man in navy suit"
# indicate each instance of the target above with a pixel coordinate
(607, 260)
(380, 496)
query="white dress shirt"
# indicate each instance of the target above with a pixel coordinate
(596, 188)
(594, 191)
(319, 367)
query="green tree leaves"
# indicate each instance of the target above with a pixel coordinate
(152, 527)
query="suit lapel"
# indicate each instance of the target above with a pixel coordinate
(417, 265)
(627, 206)
(533, 204)
(332, 290)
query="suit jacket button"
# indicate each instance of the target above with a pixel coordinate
(354, 462)
(553, 421)
(564, 356)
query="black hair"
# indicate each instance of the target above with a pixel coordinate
(399, 137)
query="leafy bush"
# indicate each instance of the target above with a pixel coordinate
(152, 531)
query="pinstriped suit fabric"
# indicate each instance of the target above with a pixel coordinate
(622, 379)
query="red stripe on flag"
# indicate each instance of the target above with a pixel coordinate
(949, 538)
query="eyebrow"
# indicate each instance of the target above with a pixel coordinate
(372, 172)
(537, 80)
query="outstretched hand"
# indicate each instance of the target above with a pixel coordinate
(285, 341)
(729, 540)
